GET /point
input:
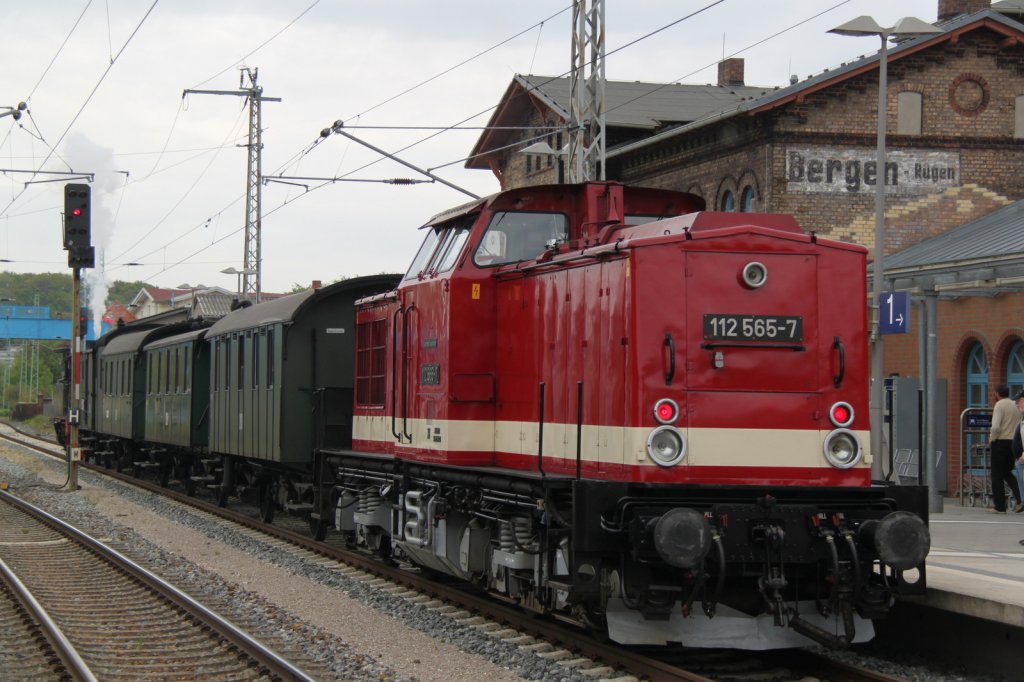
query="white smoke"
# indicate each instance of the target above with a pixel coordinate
(85, 156)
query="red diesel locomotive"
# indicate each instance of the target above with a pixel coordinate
(605, 404)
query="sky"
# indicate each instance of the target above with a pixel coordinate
(104, 80)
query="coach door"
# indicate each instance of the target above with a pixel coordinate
(333, 393)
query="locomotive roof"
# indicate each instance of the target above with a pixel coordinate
(287, 308)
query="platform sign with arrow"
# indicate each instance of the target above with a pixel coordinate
(894, 312)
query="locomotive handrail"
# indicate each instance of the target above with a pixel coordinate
(405, 373)
(837, 380)
(394, 374)
(796, 347)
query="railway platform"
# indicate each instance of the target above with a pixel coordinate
(976, 564)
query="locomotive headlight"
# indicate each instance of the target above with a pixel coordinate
(666, 411)
(666, 446)
(841, 414)
(754, 274)
(842, 449)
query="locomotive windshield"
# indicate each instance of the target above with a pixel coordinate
(441, 247)
(515, 236)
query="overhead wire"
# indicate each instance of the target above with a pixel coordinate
(440, 130)
(299, 155)
(187, 191)
(48, 66)
(259, 47)
(86, 102)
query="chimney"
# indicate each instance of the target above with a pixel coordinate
(949, 9)
(317, 284)
(730, 71)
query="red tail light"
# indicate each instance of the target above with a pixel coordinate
(666, 411)
(841, 414)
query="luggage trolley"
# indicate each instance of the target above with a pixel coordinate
(975, 483)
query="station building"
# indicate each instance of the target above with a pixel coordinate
(955, 157)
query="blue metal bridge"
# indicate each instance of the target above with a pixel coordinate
(33, 322)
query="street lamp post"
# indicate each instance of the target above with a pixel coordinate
(867, 26)
(239, 273)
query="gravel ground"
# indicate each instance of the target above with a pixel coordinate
(355, 631)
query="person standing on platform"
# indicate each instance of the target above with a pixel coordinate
(1005, 418)
(1017, 442)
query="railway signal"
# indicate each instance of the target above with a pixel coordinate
(77, 226)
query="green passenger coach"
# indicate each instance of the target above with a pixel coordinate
(265, 381)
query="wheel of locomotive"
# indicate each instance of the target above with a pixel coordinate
(222, 495)
(267, 501)
(317, 528)
(190, 486)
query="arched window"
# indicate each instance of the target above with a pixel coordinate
(977, 377)
(728, 201)
(747, 200)
(1015, 368)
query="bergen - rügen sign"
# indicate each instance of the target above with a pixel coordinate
(851, 171)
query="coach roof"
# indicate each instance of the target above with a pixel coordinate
(287, 308)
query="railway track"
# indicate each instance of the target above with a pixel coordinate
(108, 618)
(551, 639)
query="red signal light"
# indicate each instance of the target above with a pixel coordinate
(666, 411)
(841, 414)
(76, 212)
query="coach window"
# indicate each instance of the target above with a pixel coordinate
(271, 358)
(514, 236)
(908, 113)
(186, 370)
(256, 360)
(241, 361)
(227, 363)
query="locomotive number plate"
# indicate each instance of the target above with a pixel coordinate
(783, 328)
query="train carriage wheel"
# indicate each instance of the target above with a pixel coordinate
(317, 528)
(164, 473)
(267, 502)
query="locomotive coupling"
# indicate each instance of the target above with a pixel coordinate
(682, 537)
(901, 539)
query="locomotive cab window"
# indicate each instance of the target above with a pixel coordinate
(426, 250)
(512, 237)
(442, 247)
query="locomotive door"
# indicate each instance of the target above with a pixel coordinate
(751, 330)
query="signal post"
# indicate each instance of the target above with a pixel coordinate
(77, 199)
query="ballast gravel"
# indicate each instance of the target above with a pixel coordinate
(352, 630)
